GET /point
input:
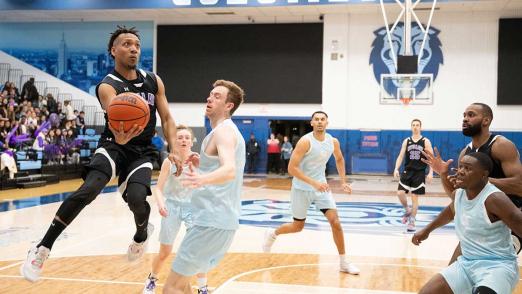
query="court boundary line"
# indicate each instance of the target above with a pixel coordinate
(11, 265)
(90, 281)
(77, 280)
(219, 289)
(329, 287)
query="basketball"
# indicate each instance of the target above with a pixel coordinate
(130, 109)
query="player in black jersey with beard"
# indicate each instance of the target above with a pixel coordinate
(412, 179)
(507, 169)
(128, 155)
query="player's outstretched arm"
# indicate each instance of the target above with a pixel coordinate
(339, 163)
(435, 161)
(506, 152)
(501, 206)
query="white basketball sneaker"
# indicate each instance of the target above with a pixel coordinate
(136, 250)
(268, 240)
(32, 267)
(349, 267)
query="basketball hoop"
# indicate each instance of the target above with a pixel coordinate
(406, 101)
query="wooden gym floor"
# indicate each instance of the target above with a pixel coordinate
(89, 257)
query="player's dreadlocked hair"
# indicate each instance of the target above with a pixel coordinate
(121, 30)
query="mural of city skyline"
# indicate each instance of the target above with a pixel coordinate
(75, 52)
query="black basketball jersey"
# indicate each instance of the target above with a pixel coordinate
(497, 171)
(414, 155)
(146, 86)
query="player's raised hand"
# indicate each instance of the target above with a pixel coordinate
(436, 162)
(174, 159)
(194, 159)
(192, 178)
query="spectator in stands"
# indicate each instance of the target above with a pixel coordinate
(32, 121)
(3, 111)
(40, 140)
(52, 106)
(3, 131)
(72, 149)
(42, 118)
(27, 87)
(60, 112)
(44, 111)
(23, 110)
(11, 113)
(68, 110)
(7, 161)
(10, 91)
(22, 126)
(80, 123)
(42, 101)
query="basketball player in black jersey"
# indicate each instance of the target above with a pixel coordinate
(413, 177)
(128, 155)
(507, 169)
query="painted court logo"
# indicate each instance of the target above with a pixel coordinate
(381, 54)
(379, 218)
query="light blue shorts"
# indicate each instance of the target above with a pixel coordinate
(465, 275)
(177, 212)
(301, 200)
(201, 250)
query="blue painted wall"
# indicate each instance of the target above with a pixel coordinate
(449, 143)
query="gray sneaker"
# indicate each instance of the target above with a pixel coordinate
(136, 250)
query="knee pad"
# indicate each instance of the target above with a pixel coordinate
(136, 195)
(72, 205)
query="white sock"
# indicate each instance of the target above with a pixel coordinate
(273, 234)
(202, 282)
(342, 258)
(153, 275)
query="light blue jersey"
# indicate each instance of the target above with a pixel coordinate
(313, 163)
(173, 190)
(219, 206)
(488, 257)
(177, 203)
(479, 238)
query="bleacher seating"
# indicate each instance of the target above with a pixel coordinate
(34, 163)
(25, 163)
